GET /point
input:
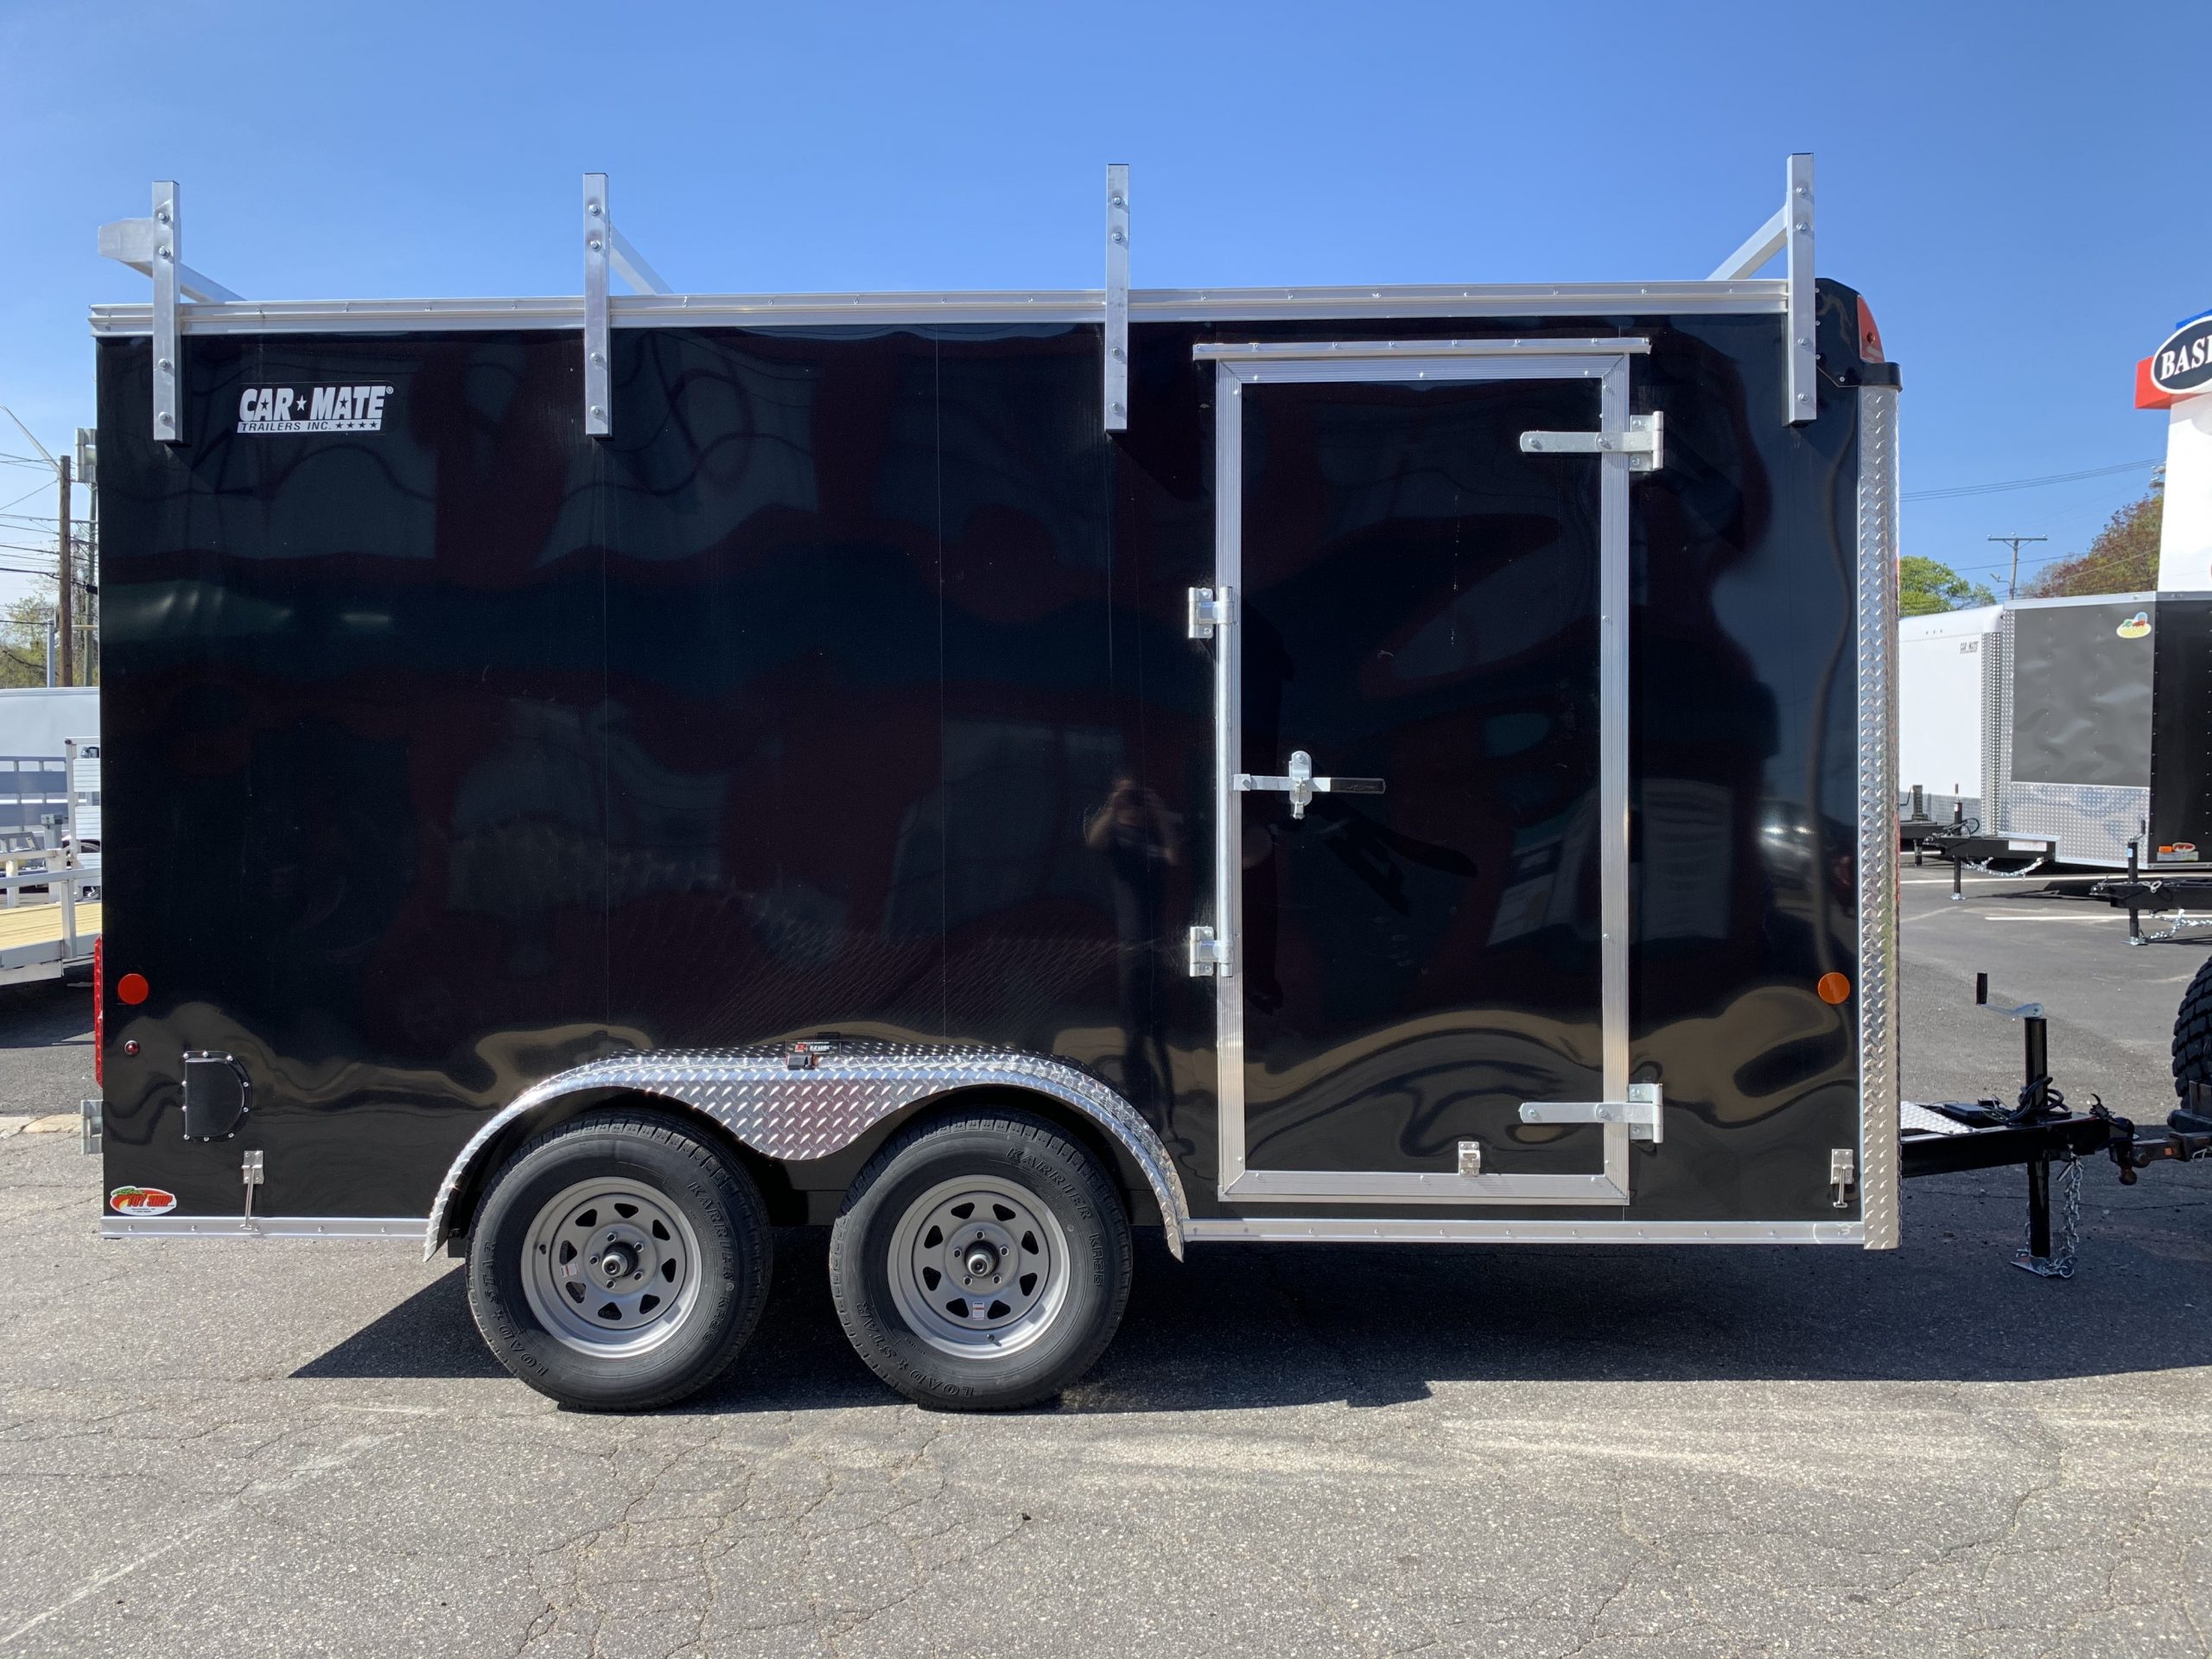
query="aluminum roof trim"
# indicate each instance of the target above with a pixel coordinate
(895, 310)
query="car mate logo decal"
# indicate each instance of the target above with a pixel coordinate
(2184, 362)
(2135, 625)
(142, 1201)
(312, 409)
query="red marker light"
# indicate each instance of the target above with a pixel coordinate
(132, 988)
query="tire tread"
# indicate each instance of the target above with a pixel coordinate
(746, 1211)
(2192, 1049)
(1022, 1127)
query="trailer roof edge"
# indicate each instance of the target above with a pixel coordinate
(895, 309)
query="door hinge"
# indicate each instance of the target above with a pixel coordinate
(1843, 1176)
(1209, 611)
(89, 1112)
(1645, 443)
(1209, 956)
(1640, 1111)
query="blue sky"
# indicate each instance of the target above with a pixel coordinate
(2019, 189)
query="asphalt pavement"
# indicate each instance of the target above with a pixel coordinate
(290, 1448)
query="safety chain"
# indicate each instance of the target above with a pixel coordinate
(1982, 866)
(2183, 922)
(2061, 1264)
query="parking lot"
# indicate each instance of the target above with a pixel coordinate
(290, 1448)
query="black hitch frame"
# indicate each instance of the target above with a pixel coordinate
(2040, 1129)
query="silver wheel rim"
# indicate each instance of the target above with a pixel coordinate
(979, 1267)
(611, 1268)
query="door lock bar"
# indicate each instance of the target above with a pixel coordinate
(1302, 786)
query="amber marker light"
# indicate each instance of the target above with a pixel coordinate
(1834, 988)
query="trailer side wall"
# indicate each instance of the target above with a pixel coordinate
(452, 753)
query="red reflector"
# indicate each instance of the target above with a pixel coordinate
(132, 988)
(1869, 335)
(100, 1012)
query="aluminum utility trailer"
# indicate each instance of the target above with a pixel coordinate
(50, 879)
(605, 774)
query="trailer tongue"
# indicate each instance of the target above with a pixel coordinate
(2036, 1130)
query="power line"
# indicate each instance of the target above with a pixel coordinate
(1957, 490)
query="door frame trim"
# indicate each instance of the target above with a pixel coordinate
(1382, 362)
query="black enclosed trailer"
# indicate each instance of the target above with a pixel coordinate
(593, 778)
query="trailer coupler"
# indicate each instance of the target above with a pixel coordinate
(2188, 1138)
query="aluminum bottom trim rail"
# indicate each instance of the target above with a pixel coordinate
(1334, 1229)
(406, 1227)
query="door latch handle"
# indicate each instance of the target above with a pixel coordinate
(1301, 786)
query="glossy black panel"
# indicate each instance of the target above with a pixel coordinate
(848, 686)
(2181, 732)
(1420, 606)
(356, 801)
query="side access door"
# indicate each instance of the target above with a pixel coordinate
(1420, 937)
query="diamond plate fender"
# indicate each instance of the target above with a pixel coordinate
(790, 1112)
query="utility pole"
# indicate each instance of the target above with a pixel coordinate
(65, 564)
(2012, 588)
(68, 580)
(88, 475)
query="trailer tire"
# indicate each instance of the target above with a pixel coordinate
(1033, 1213)
(620, 1261)
(2193, 1033)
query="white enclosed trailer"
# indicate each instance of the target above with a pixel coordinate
(1941, 709)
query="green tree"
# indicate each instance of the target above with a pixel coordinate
(1926, 586)
(22, 642)
(2123, 559)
